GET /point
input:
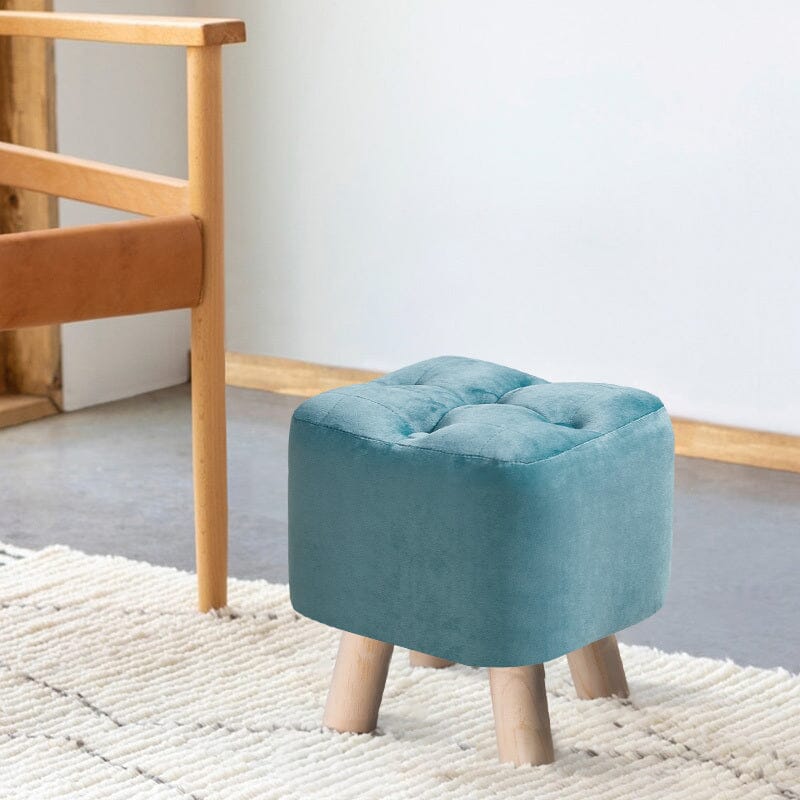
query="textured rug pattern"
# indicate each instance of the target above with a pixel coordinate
(111, 686)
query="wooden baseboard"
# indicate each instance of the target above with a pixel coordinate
(736, 445)
(18, 408)
(692, 439)
(287, 376)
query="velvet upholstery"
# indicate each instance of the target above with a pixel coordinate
(480, 514)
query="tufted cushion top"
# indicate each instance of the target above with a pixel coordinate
(476, 409)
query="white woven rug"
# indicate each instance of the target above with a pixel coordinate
(112, 687)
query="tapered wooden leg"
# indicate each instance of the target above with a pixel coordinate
(357, 685)
(521, 719)
(418, 659)
(597, 670)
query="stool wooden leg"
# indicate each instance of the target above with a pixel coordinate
(521, 719)
(357, 685)
(597, 670)
(418, 659)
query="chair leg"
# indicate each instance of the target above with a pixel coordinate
(597, 670)
(417, 659)
(204, 92)
(210, 474)
(357, 685)
(521, 718)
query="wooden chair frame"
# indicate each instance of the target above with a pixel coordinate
(174, 260)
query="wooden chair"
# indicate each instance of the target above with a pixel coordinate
(172, 260)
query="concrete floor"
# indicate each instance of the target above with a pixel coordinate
(117, 479)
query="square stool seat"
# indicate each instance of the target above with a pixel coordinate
(480, 514)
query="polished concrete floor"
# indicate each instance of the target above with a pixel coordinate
(117, 479)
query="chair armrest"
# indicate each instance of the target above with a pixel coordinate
(123, 28)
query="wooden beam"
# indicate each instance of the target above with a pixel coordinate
(33, 361)
(93, 271)
(287, 376)
(124, 28)
(30, 359)
(92, 181)
(18, 408)
(692, 439)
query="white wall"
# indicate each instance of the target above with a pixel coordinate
(125, 105)
(590, 191)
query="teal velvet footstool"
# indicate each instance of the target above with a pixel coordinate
(477, 514)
